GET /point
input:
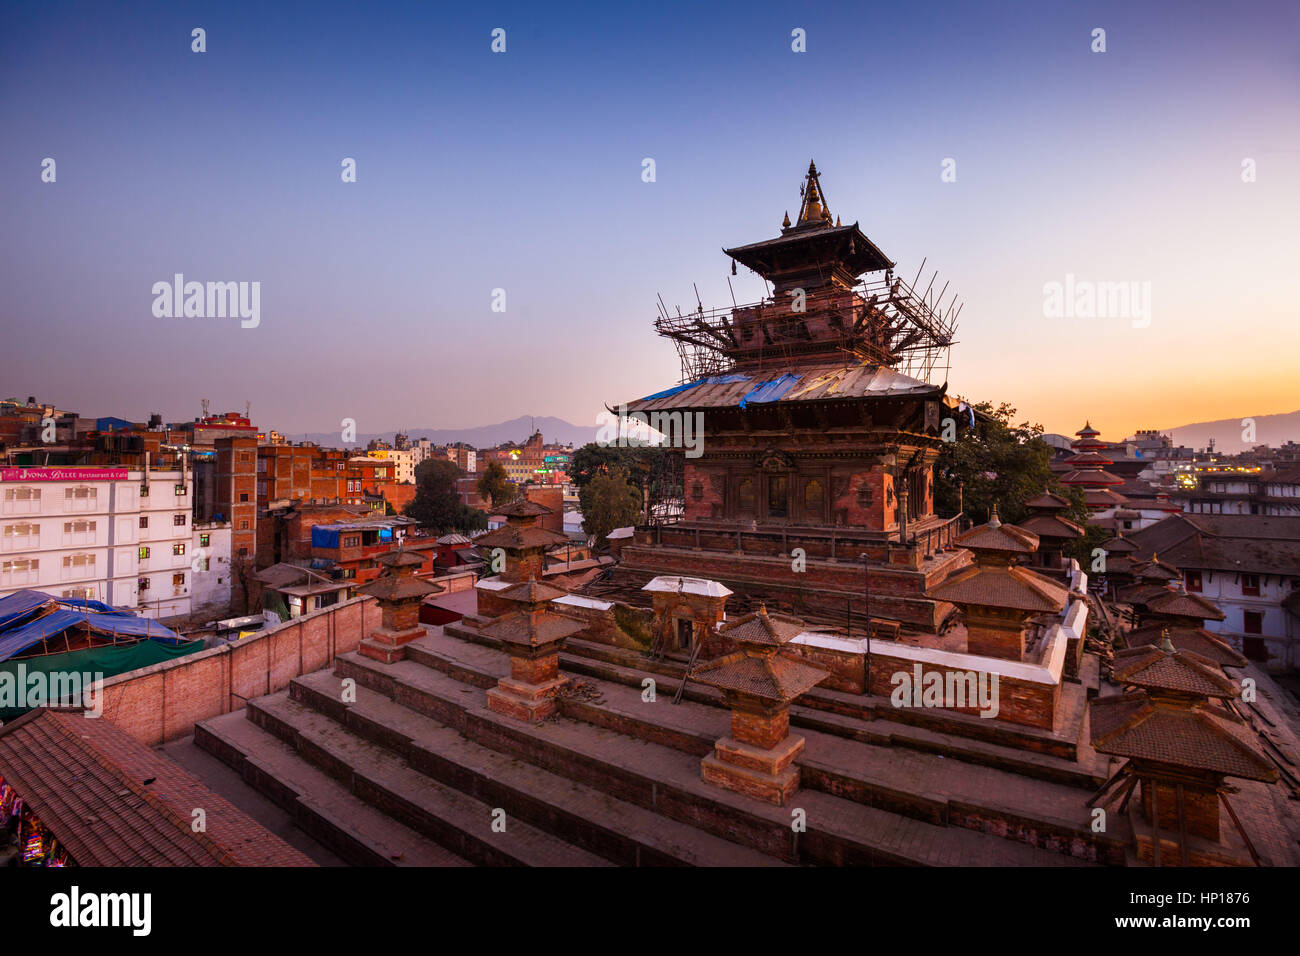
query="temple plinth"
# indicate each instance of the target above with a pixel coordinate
(997, 595)
(758, 684)
(532, 637)
(400, 594)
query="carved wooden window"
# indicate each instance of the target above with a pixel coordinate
(778, 496)
(813, 498)
(745, 496)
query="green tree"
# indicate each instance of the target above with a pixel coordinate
(998, 461)
(494, 485)
(436, 504)
(609, 500)
(653, 470)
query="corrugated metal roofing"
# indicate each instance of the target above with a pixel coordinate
(815, 382)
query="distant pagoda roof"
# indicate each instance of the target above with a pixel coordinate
(998, 537)
(1051, 526)
(1119, 544)
(400, 587)
(1180, 604)
(1087, 431)
(1162, 667)
(762, 628)
(1195, 640)
(1089, 458)
(1048, 502)
(522, 508)
(1092, 477)
(399, 558)
(513, 536)
(531, 592)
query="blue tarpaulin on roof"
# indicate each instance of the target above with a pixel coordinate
(128, 625)
(15, 640)
(324, 536)
(99, 606)
(770, 391)
(711, 380)
(21, 605)
(18, 639)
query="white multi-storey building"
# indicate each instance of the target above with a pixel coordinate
(117, 535)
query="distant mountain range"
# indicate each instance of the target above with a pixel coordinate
(480, 436)
(1273, 430)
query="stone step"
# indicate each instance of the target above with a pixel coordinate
(613, 828)
(667, 781)
(384, 780)
(320, 805)
(832, 712)
(914, 781)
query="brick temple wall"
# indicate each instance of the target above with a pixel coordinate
(164, 701)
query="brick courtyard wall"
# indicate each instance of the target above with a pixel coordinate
(164, 701)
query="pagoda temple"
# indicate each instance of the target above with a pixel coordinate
(821, 428)
(1179, 747)
(1088, 471)
(999, 597)
(1054, 531)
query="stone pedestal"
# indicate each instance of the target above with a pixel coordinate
(386, 645)
(765, 773)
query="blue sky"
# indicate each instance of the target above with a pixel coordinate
(522, 171)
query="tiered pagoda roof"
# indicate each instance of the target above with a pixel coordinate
(1136, 727)
(1165, 669)
(1186, 638)
(995, 580)
(757, 670)
(515, 536)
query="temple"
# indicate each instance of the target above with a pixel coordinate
(821, 427)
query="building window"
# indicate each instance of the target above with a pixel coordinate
(142, 584)
(19, 537)
(243, 526)
(144, 521)
(178, 520)
(243, 496)
(778, 496)
(144, 554)
(1254, 622)
(80, 594)
(243, 456)
(352, 542)
(1193, 580)
(813, 498)
(21, 571)
(144, 491)
(203, 540)
(745, 497)
(1250, 585)
(180, 491)
(203, 564)
(22, 500)
(178, 549)
(178, 580)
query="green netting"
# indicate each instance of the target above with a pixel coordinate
(88, 662)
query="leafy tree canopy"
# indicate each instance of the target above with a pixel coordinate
(609, 500)
(998, 461)
(436, 504)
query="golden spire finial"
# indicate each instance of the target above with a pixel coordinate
(785, 223)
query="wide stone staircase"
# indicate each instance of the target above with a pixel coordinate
(403, 764)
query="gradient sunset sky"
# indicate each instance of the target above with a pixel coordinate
(522, 171)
